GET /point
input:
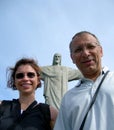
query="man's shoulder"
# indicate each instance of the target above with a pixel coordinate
(71, 92)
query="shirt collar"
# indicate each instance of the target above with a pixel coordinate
(82, 80)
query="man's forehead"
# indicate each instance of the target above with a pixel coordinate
(84, 37)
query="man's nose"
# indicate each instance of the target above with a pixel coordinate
(85, 51)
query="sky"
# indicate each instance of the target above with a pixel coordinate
(40, 28)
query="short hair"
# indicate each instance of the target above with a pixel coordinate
(81, 33)
(12, 71)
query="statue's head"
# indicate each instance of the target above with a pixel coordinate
(57, 59)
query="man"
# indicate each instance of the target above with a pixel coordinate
(86, 52)
(55, 79)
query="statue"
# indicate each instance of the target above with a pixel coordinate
(56, 78)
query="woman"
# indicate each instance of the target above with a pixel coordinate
(25, 113)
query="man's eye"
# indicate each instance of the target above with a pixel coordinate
(91, 47)
(78, 50)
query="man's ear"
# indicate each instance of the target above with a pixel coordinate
(101, 51)
(72, 58)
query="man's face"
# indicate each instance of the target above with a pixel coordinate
(86, 54)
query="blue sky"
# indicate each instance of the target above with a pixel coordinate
(40, 28)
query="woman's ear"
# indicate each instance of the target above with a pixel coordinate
(39, 82)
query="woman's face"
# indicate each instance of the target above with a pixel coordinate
(26, 79)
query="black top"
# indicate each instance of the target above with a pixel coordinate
(35, 117)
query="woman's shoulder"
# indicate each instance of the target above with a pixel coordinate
(8, 102)
(50, 111)
(53, 112)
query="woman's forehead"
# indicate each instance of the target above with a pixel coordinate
(25, 67)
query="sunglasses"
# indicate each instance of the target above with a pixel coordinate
(22, 75)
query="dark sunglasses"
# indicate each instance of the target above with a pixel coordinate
(22, 75)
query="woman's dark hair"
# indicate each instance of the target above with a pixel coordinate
(12, 71)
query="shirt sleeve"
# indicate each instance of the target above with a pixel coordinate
(62, 122)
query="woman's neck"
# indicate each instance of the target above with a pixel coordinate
(25, 101)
